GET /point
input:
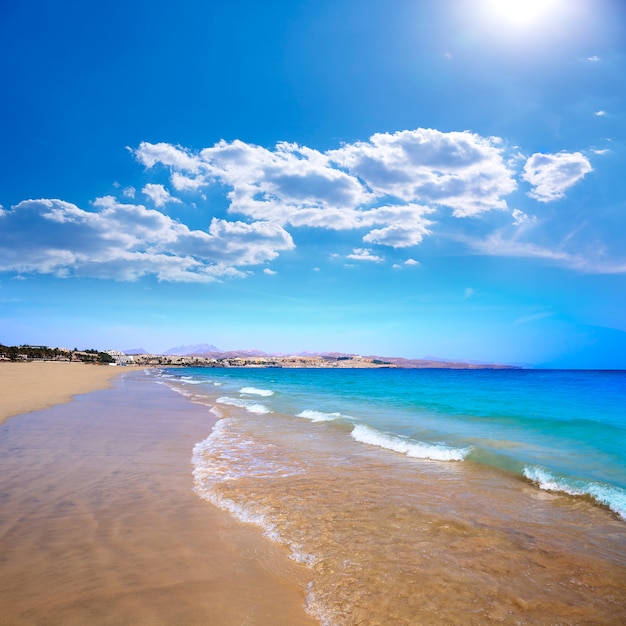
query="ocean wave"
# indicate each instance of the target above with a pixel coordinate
(413, 449)
(223, 456)
(251, 407)
(608, 495)
(319, 416)
(253, 391)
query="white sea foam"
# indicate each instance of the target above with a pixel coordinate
(319, 416)
(251, 407)
(413, 449)
(609, 495)
(253, 391)
(226, 456)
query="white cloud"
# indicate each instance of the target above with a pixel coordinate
(394, 190)
(407, 263)
(364, 254)
(159, 195)
(297, 186)
(151, 154)
(460, 170)
(498, 245)
(406, 225)
(269, 272)
(128, 241)
(551, 175)
(519, 217)
(600, 113)
(593, 59)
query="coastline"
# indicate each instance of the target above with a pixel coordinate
(33, 386)
(100, 524)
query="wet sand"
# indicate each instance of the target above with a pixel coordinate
(99, 523)
(37, 385)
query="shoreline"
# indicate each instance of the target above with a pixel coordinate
(32, 386)
(100, 523)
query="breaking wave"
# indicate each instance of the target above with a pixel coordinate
(413, 449)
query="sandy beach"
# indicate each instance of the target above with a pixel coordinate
(37, 385)
(99, 523)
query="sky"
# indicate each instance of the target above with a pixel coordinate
(380, 177)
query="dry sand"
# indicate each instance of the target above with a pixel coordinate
(26, 387)
(98, 520)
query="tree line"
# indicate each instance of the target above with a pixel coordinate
(44, 353)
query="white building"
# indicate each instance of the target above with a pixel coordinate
(120, 357)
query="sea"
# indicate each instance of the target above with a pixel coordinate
(426, 496)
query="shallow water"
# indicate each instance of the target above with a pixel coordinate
(423, 515)
(99, 523)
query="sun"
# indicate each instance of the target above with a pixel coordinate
(521, 11)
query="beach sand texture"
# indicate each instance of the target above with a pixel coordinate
(99, 523)
(32, 386)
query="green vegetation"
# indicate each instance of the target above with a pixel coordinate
(43, 353)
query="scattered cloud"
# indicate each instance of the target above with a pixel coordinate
(497, 244)
(600, 113)
(128, 241)
(519, 217)
(269, 272)
(393, 190)
(364, 254)
(299, 186)
(594, 58)
(159, 195)
(407, 263)
(551, 175)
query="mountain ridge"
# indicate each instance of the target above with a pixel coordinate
(212, 352)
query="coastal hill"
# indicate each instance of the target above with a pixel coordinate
(199, 349)
(209, 353)
(196, 356)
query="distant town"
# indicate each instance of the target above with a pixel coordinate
(209, 356)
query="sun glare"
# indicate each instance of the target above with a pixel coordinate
(521, 11)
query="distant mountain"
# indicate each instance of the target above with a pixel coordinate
(195, 349)
(135, 351)
(211, 352)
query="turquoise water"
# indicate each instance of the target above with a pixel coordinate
(562, 430)
(426, 496)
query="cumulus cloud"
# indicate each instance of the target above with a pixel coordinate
(128, 241)
(365, 254)
(551, 175)
(299, 186)
(460, 170)
(393, 190)
(159, 195)
(600, 113)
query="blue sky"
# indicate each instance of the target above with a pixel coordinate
(399, 178)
